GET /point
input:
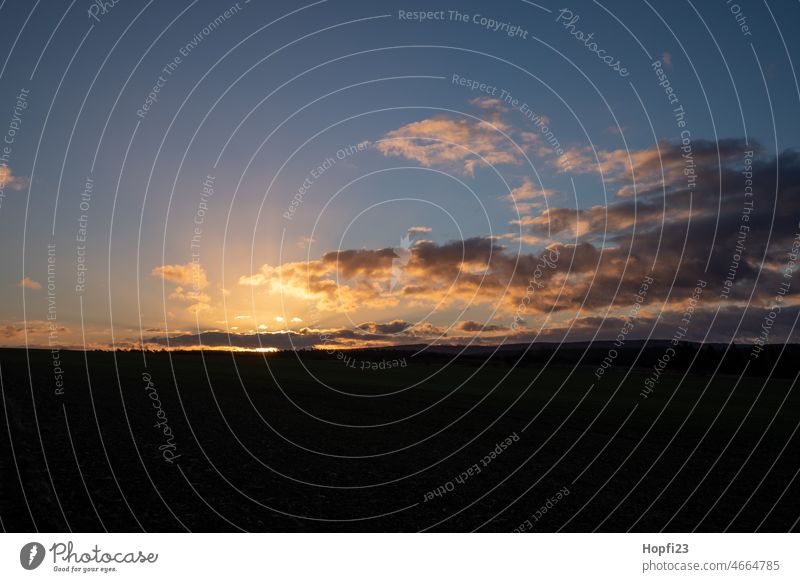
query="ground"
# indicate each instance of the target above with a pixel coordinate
(258, 444)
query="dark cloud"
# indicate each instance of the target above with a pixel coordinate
(393, 327)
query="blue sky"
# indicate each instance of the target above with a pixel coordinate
(268, 93)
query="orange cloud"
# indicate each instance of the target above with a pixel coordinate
(676, 239)
(528, 197)
(475, 271)
(188, 274)
(653, 169)
(446, 141)
(471, 326)
(339, 281)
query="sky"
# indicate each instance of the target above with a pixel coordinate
(340, 174)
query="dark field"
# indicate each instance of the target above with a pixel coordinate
(259, 445)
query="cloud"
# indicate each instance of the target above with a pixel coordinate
(199, 301)
(339, 281)
(663, 193)
(528, 197)
(192, 275)
(584, 270)
(188, 274)
(18, 329)
(489, 103)
(603, 253)
(29, 283)
(278, 340)
(450, 142)
(477, 326)
(603, 221)
(8, 180)
(419, 230)
(678, 233)
(528, 191)
(654, 170)
(475, 271)
(454, 142)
